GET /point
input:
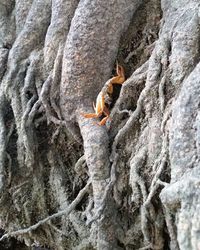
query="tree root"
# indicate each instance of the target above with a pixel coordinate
(65, 212)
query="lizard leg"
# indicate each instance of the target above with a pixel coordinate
(107, 113)
(100, 104)
(91, 115)
(120, 78)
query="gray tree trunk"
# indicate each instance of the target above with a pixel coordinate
(67, 183)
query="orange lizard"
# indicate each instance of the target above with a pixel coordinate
(103, 96)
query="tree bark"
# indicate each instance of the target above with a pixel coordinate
(67, 183)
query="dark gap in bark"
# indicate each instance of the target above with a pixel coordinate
(43, 131)
(166, 238)
(11, 148)
(120, 244)
(28, 94)
(7, 46)
(134, 93)
(11, 244)
(166, 175)
(83, 204)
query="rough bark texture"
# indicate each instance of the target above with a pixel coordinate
(67, 183)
